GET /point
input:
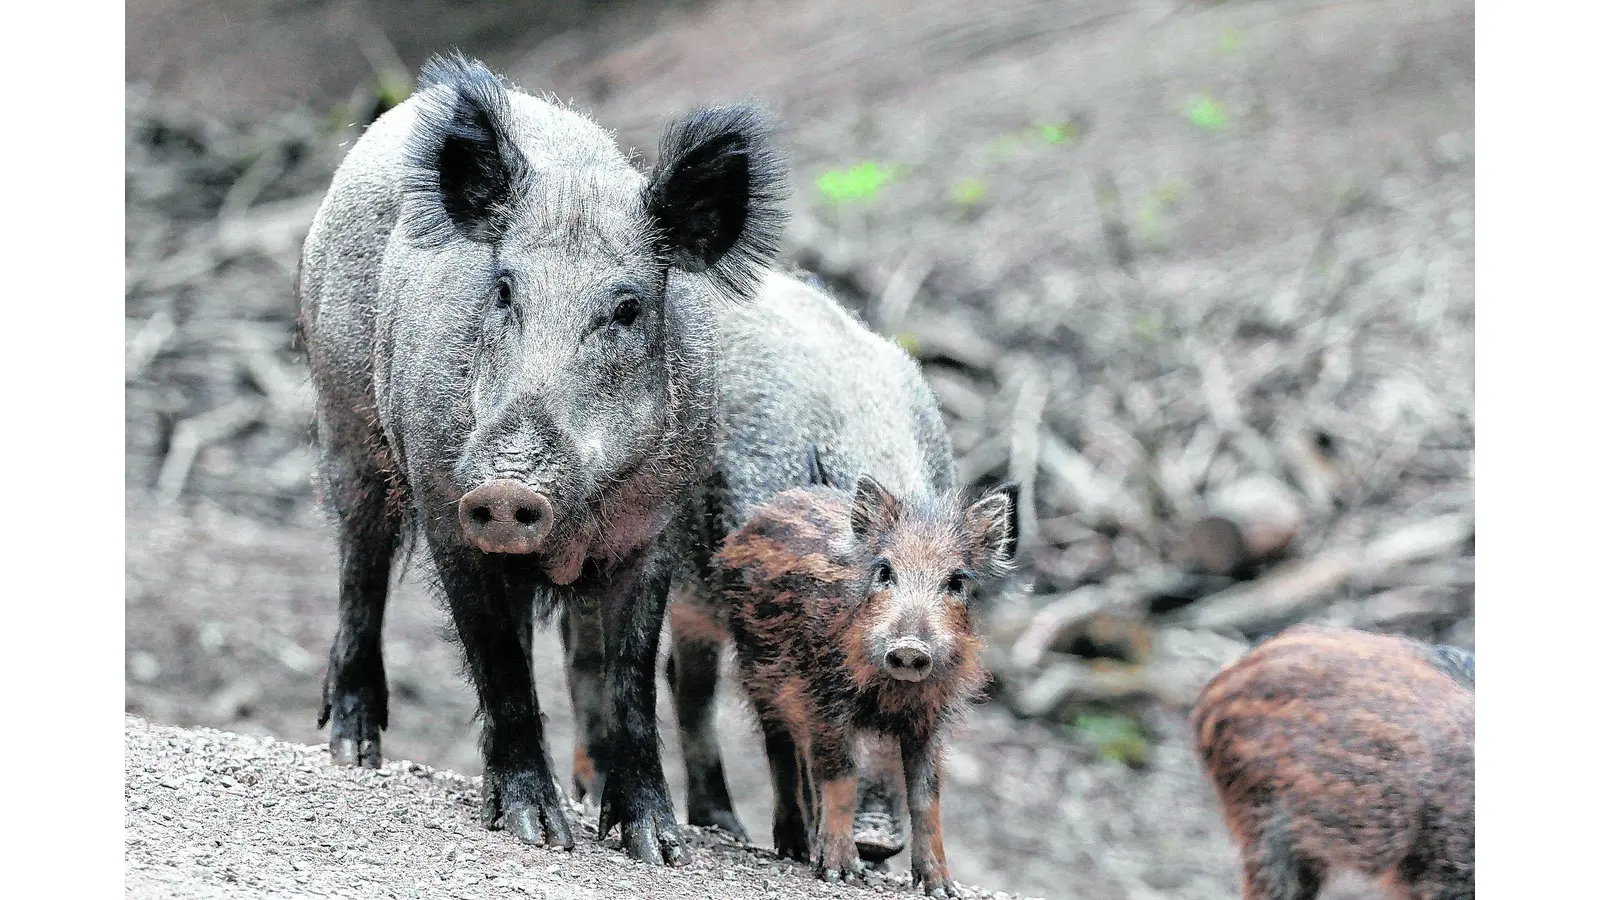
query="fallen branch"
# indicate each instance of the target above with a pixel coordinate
(1291, 589)
(148, 343)
(192, 435)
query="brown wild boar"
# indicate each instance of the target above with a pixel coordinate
(1337, 750)
(849, 614)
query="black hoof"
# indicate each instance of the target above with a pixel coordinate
(877, 841)
(722, 819)
(649, 829)
(354, 736)
(532, 811)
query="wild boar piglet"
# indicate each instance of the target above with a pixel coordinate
(849, 613)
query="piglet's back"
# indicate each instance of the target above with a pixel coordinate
(791, 541)
(1361, 744)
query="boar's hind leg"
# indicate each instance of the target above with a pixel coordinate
(634, 794)
(355, 693)
(928, 867)
(692, 675)
(518, 791)
(878, 832)
(583, 642)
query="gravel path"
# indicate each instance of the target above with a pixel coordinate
(214, 814)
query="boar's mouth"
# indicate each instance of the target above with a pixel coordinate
(564, 561)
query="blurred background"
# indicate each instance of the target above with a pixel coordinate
(1198, 274)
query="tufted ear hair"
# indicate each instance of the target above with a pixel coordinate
(874, 510)
(717, 195)
(993, 524)
(465, 175)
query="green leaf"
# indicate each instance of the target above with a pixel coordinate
(859, 183)
(1206, 113)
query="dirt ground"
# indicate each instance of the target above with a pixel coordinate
(231, 584)
(214, 814)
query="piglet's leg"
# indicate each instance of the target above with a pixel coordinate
(833, 766)
(790, 830)
(928, 868)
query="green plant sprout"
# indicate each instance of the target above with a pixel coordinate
(859, 183)
(1207, 114)
(968, 191)
(1059, 132)
(1116, 738)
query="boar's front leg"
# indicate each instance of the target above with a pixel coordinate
(634, 793)
(355, 693)
(920, 757)
(518, 791)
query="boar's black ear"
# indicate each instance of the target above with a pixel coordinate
(995, 526)
(465, 175)
(717, 195)
(874, 511)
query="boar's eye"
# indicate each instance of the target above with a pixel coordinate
(502, 292)
(627, 310)
(882, 575)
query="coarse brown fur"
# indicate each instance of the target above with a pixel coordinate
(1337, 750)
(848, 615)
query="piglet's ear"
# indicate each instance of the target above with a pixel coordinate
(993, 526)
(465, 175)
(874, 511)
(717, 195)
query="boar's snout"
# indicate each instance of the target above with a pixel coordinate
(908, 660)
(506, 516)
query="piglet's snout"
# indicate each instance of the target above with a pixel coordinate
(506, 516)
(908, 660)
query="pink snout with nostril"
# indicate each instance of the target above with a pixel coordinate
(506, 516)
(908, 660)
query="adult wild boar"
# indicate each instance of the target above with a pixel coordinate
(510, 331)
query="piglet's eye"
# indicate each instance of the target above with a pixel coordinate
(957, 584)
(627, 310)
(882, 575)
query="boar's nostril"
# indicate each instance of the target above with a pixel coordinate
(506, 516)
(909, 660)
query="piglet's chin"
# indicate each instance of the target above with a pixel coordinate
(564, 563)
